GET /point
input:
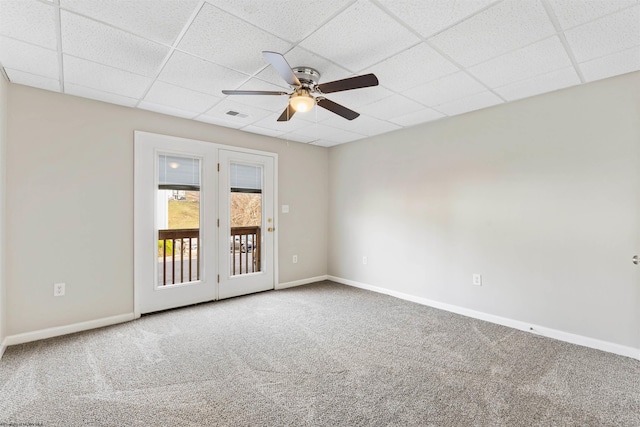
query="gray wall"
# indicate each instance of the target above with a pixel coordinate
(3, 144)
(70, 204)
(540, 196)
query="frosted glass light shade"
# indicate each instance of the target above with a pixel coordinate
(302, 102)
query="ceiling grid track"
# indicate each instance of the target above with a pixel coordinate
(563, 39)
(58, 27)
(3, 73)
(172, 48)
(426, 41)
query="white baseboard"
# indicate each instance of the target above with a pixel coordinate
(511, 323)
(301, 282)
(66, 329)
(3, 347)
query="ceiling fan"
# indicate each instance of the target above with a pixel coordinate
(306, 90)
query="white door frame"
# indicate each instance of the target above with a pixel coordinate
(145, 228)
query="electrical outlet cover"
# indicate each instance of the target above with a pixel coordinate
(58, 289)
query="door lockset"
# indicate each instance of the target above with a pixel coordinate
(635, 259)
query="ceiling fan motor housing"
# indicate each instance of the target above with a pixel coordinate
(309, 77)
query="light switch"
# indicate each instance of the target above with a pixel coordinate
(285, 208)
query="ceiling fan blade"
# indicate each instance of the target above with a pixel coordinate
(287, 114)
(357, 82)
(283, 68)
(337, 108)
(253, 92)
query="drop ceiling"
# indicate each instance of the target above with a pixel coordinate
(433, 58)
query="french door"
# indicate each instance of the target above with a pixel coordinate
(247, 223)
(202, 215)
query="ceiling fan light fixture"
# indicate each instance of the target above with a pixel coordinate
(302, 101)
(304, 82)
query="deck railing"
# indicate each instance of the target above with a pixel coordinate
(179, 257)
(245, 243)
(184, 247)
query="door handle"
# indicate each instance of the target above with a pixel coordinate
(635, 259)
(272, 229)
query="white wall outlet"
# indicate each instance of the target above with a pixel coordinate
(58, 289)
(295, 259)
(285, 208)
(477, 279)
(364, 260)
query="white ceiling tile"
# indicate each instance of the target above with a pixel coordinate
(105, 79)
(540, 84)
(200, 75)
(324, 143)
(180, 98)
(393, 106)
(429, 17)
(359, 37)
(261, 131)
(29, 21)
(28, 79)
(354, 99)
(364, 125)
(247, 114)
(417, 117)
(506, 26)
(607, 35)
(98, 95)
(470, 103)
(298, 57)
(226, 40)
(170, 111)
(333, 134)
(571, 13)
(612, 65)
(318, 131)
(219, 122)
(305, 139)
(97, 42)
(289, 19)
(445, 89)
(537, 58)
(271, 122)
(418, 64)
(343, 136)
(161, 21)
(28, 58)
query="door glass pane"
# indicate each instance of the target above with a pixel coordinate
(178, 219)
(246, 218)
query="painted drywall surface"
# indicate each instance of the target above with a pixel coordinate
(70, 204)
(540, 196)
(3, 144)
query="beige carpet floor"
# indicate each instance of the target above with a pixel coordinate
(317, 355)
